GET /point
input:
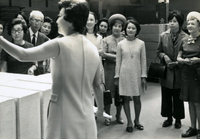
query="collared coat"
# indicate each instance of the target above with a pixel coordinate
(172, 79)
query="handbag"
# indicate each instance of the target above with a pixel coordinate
(157, 70)
(107, 95)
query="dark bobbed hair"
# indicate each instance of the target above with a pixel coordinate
(102, 20)
(178, 15)
(17, 21)
(48, 20)
(76, 12)
(23, 14)
(137, 25)
(130, 18)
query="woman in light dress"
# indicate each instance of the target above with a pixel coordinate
(131, 72)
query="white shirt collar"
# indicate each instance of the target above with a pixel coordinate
(31, 33)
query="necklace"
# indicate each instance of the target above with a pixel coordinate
(131, 54)
(129, 47)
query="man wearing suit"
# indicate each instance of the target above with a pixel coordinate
(35, 37)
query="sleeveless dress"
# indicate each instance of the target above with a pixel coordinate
(71, 113)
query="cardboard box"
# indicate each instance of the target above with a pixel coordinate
(8, 128)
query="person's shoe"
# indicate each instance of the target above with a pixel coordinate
(167, 123)
(107, 122)
(189, 133)
(129, 129)
(119, 120)
(177, 124)
(198, 134)
(139, 126)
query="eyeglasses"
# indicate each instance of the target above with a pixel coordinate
(35, 20)
(16, 31)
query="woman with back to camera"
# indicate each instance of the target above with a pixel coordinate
(10, 64)
(116, 23)
(189, 57)
(168, 47)
(131, 72)
(75, 71)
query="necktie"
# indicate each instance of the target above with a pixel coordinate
(33, 40)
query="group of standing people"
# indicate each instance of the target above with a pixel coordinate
(180, 53)
(123, 64)
(80, 67)
(27, 33)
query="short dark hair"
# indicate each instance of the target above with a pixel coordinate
(48, 20)
(137, 25)
(102, 20)
(14, 22)
(75, 13)
(23, 14)
(178, 15)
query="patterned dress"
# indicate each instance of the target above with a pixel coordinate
(131, 66)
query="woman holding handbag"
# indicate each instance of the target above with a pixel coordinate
(167, 51)
(116, 23)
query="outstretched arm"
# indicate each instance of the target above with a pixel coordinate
(46, 50)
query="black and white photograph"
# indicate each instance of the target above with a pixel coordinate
(99, 69)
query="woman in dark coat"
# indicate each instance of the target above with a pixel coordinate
(168, 47)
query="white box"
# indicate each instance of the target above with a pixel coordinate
(7, 118)
(27, 109)
(44, 88)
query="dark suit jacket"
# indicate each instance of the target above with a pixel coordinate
(40, 40)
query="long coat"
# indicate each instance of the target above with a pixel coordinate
(74, 71)
(172, 79)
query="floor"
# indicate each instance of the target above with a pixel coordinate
(150, 118)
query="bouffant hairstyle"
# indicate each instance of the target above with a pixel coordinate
(76, 12)
(178, 15)
(14, 22)
(137, 25)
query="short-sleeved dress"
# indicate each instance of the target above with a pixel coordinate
(131, 66)
(190, 88)
(110, 46)
(14, 65)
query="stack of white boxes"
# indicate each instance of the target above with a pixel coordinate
(31, 94)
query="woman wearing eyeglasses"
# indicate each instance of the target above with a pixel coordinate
(16, 30)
